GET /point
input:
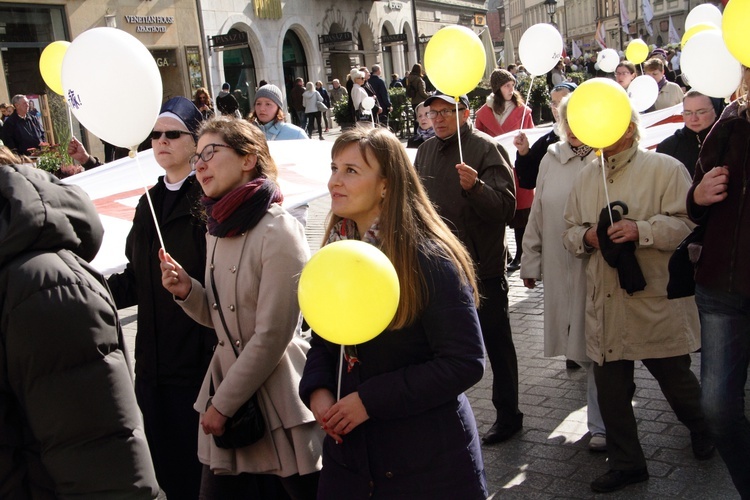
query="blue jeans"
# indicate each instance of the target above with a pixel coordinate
(302, 117)
(725, 353)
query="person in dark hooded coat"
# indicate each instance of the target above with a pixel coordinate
(69, 421)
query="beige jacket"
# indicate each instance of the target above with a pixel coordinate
(256, 275)
(646, 324)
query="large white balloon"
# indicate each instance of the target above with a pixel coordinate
(608, 60)
(643, 91)
(540, 48)
(703, 13)
(113, 85)
(708, 64)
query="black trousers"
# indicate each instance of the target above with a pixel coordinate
(171, 426)
(247, 486)
(498, 342)
(615, 386)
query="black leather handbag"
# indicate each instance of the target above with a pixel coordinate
(247, 425)
(682, 265)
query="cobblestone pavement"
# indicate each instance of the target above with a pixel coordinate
(550, 458)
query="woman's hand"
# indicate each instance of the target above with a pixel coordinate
(521, 142)
(344, 416)
(321, 400)
(529, 283)
(213, 422)
(173, 276)
(713, 187)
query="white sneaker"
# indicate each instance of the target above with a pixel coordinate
(598, 442)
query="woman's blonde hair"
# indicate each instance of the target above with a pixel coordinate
(409, 223)
(245, 139)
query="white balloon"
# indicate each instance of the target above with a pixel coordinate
(608, 60)
(540, 48)
(112, 85)
(643, 91)
(710, 67)
(368, 103)
(703, 13)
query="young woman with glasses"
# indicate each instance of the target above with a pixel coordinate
(256, 251)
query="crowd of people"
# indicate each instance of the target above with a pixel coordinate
(214, 260)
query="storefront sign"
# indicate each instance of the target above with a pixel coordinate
(228, 40)
(336, 38)
(398, 37)
(395, 5)
(157, 23)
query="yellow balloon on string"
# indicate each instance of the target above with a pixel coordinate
(735, 31)
(50, 65)
(455, 60)
(592, 100)
(637, 51)
(696, 29)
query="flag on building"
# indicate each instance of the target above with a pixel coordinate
(600, 35)
(648, 15)
(673, 36)
(576, 50)
(624, 20)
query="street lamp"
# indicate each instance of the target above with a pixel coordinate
(551, 6)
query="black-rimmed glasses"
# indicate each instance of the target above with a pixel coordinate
(445, 113)
(206, 154)
(171, 134)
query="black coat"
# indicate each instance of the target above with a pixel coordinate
(170, 348)
(527, 166)
(684, 145)
(22, 134)
(69, 423)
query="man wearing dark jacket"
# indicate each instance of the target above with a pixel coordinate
(477, 198)
(22, 131)
(381, 92)
(685, 144)
(69, 422)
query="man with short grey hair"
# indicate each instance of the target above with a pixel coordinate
(22, 132)
(381, 92)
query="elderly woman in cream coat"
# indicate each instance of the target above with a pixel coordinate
(256, 251)
(544, 257)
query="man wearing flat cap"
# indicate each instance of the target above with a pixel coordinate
(477, 198)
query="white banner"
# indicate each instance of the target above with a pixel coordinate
(648, 15)
(624, 20)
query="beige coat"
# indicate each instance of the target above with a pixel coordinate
(256, 275)
(545, 258)
(646, 324)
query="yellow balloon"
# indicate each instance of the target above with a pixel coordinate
(637, 51)
(455, 60)
(735, 31)
(599, 112)
(348, 292)
(50, 65)
(696, 29)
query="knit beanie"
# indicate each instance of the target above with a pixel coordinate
(499, 78)
(272, 92)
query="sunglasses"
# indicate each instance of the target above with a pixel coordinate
(171, 134)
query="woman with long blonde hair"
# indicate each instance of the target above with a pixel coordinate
(403, 426)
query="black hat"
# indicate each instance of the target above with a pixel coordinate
(183, 110)
(447, 98)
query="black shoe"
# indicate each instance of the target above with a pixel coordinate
(499, 433)
(617, 479)
(514, 265)
(703, 445)
(571, 365)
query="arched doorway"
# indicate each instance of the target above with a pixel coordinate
(387, 57)
(294, 60)
(239, 72)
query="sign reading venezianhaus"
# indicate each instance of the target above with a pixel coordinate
(142, 21)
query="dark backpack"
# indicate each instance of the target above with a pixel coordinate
(411, 92)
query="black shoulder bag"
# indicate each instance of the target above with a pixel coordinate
(247, 425)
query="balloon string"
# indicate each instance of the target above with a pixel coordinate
(148, 197)
(600, 154)
(341, 372)
(458, 131)
(528, 96)
(70, 119)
